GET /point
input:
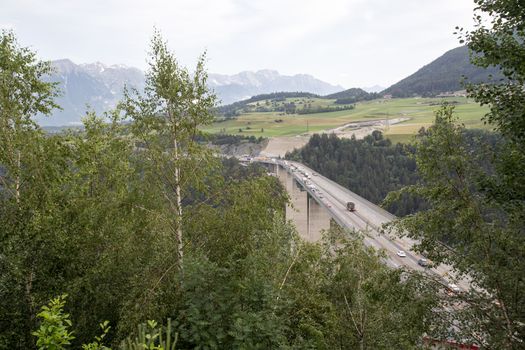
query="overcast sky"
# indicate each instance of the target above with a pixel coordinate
(354, 43)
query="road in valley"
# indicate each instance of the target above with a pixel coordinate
(367, 217)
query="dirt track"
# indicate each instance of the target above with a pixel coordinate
(278, 146)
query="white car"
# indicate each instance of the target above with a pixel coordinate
(401, 253)
(454, 288)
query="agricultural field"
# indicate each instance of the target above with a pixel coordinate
(418, 111)
(298, 101)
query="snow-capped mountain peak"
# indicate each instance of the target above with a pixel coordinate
(100, 86)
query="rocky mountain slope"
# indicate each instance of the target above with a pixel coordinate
(232, 88)
(99, 87)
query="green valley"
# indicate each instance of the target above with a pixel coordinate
(419, 111)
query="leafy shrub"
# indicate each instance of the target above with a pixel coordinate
(54, 333)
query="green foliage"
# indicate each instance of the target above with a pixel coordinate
(345, 297)
(219, 139)
(500, 43)
(227, 307)
(98, 214)
(479, 206)
(98, 343)
(23, 93)
(484, 236)
(444, 74)
(24, 167)
(151, 336)
(233, 110)
(165, 120)
(53, 333)
(319, 109)
(106, 242)
(371, 167)
(351, 96)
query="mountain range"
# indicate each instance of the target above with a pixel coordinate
(95, 86)
(444, 74)
(100, 87)
(232, 88)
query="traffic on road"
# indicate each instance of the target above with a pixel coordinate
(354, 212)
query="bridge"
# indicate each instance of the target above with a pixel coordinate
(367, 218)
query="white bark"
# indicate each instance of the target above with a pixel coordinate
(178, 195)
(17, 177)
(178, 215)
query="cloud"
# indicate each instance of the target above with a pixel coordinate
(7, 26)
(281, 23)
(348, 42)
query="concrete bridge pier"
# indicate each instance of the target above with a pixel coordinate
(309, 217)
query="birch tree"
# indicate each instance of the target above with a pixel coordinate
(475, 190)
(166, 118)
(23, 94)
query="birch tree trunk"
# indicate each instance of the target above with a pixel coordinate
(178, 214)
(17, 177)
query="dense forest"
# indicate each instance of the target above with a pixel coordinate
(135, 236)
(276, 102)
(352, 95)
(445, 74)
(223, 139)
(235, 108)
(373, 167)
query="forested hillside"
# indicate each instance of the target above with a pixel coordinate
(352, 95)
(238, 107)
(444, 74)
(371, 167)
(295, 103)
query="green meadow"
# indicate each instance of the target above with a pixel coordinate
(420, 112)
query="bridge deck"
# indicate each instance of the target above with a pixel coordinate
(367, 217)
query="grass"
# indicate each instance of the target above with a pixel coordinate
(420, 112)
(299, 102)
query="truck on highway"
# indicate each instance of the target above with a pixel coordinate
(350, 206)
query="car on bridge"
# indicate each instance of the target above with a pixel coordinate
(350, 206)
(424, 263)
(453, 288)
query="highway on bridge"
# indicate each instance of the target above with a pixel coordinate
(367, 217)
